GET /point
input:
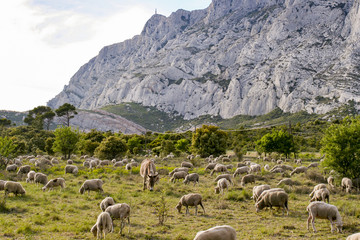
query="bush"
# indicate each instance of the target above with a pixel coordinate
(111, 147)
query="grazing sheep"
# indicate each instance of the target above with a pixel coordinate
(219, 168)
(269, 190)
(222, 184)
(210, 166)
(191, 199)
(104, 163)
(134, 164)
(24, 169)
(346, 184)
(2, 184)
(321, 194)
(11, 168)
(71, 169)
(257, 190)
(120, 211)
(266, 159)
(116, 164)
(355, 236)
(54, 161)
(192, 177)
(103, 224)
(40, 178)
(69, 161)
(30, 176)
(227, 176)
(178, 175)
(239, 165)
(277, 170)
(324, 211)
(128, 166)
(56, 182)
(108, 201)
(184, 169)
(92, 185)
(279, 161)
(317, 187)
(286, 181)
(273, 199)
(255, 168)
(283, 167)
(13, 187)
(299, 170)
(356, 183)
(224, 232)
(247, 179)
(86, 164)
(331, 181)
(187, 165)
(241, 170)
(313, 165)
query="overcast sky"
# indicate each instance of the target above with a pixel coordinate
(44, 42)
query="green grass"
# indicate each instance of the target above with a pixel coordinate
(67, 214)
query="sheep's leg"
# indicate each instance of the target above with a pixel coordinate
(129, 223)
(202, 207)
(196, 210)
(313, 224)
(187, 210)
(308, 222)
(331, 224)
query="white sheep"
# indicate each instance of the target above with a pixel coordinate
(54, 161)
(277, 170)
(324, 211)
(120, 211)
(24, 169)
(331, 181)
(346, 184)
(355, 236)
(116, 164)
(299, 170)
(178, 175)
(313, 165)
(56, 182)
(103, 225)
(11, 168)
(247, 179)
(30, 176)
(286, 181)
(269, 190)
(210, 166)
(128, 166)
(224, 232)
(187, 164)
(71, 169)
(241, 170)
(321, 194)
(219, 168)
(40, 178)
(222, 184)
(191, 199)
(227, 176)
(192, 177)
(317, 187)
(257, 190)
(273, 199)
(267, 167)
(255, 168)
(13, 187)
(92, 185)
(184, 169)
(108, 201)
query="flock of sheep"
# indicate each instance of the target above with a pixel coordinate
(263, 195)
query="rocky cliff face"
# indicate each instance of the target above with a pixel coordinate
(235, 57)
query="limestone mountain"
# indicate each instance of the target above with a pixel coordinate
(235, 57)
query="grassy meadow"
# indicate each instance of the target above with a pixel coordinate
(66, 214)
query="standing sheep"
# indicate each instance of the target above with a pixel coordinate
(299, 170)
(219, 168)
(210, 166)
(227, 176)
(178, 175)
(317, 187)
(71, 169)
(192, 177)
(40, 178)
(191, 199)
(273, 199)
(13, 187)
(331, 181)
(257, 190)
(224, 232)
(30, 176)
(24, 169)
(321, 194)
(106, 202)
(92, 185)
(222, 184)
(56, 182)
(241, 170)
(286, 181)
(120, 211)
(255, 168)
(187, 164)
(183, 169)
(346, 184)
(11, 168)
(355, 236)
(247, 179)
(324, 211)
(103, 225)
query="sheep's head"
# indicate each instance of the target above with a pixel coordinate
(94, 230)
(217, 190)
(339, 225)
(82, 190)
(43, 188)
(178, 207)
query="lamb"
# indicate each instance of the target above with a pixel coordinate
(241, 170)
(192, 177)
(331, 181)
(321, 194)
(317, 187)
(257, 190)
(40, 178)
(219, 168)
(224, 232)
(276, 199)
(324, 211)
(355, 236)
(92, 185)
(56, 182)
(210, 166)
(346, 184)
(108, 201)
(247, 179)
(299, 170)
(24, 169)
(30, 176)
(11, 168)
(103, 224)
(120, 211)
(184, 169)
(187, 164)
(222, 184)
(227, 176)
(71, 169)
(286, 181)
(191, 199)
(13, 187)
(178, 175)
(2, 185)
